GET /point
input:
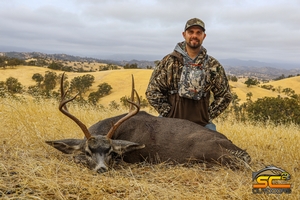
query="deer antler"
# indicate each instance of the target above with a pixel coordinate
(132, 93)
(64, 110)
(130, 114)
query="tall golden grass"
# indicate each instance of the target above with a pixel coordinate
(30, 169)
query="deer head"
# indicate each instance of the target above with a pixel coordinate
(97, 152)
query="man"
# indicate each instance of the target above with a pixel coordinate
(182, 82)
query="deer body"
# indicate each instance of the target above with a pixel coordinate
(139, 136)
(169, 139)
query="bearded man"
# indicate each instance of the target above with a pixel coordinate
(182, 83)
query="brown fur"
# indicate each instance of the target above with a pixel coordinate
(169, 139)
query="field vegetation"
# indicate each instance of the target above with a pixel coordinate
(31, 169)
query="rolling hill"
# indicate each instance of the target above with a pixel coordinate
(120, 80)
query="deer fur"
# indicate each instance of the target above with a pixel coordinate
(138, 137)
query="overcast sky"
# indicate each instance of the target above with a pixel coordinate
(262, 30)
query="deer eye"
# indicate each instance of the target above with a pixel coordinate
(88, 152)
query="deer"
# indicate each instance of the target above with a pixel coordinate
(138, 137)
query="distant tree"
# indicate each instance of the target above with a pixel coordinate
(41, 62)
(13, 86)
(37, 77)
(103, 68)
(265, 81)
(280, 77)
(55, 65)
(124, 102)
(35, 91)
(296, 96)
(131, 66)
(82, 83)
(31, 63)
(288, 91)
(233, 78)
(14, 62)
(235, 99)
(49, 81)
(67, 68)
(94, 97)
(249, 95)
(112, 67)
(251, 81)
(267, 87)
(88, 80)
(3, 61)
(113, 105)
(149, 67)
(278, 89)
(104, 89)
(235, 107)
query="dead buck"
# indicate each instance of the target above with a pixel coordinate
(139, 136)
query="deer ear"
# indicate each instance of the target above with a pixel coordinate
(67, 146)
(123, 146)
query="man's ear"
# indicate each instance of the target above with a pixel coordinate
(67, 146)
(123, 146)
(183, 34)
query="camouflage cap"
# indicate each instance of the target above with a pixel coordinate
(194, 22)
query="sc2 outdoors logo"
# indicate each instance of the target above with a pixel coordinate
(271, 180)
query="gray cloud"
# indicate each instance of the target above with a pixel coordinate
(251, 30)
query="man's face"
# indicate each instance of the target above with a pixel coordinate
(194, 36)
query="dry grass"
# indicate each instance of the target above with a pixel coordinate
(292, 82)
(241, 89)
(30, 169)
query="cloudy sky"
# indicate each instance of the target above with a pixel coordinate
(261, 30)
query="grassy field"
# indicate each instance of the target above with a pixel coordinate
(30, 169)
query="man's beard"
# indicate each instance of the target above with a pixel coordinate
(194, 46)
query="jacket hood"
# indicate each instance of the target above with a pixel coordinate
(180, 48)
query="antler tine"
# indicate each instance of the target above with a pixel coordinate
(64, 110)
(63, 94)
(132, 93)
(126, 117)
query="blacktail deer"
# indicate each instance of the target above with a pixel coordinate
(139, 137)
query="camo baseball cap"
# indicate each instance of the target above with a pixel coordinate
(194, 22)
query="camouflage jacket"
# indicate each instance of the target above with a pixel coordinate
(165, 79)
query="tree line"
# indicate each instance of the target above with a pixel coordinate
(46, 84)
(268, 109)
(59, 65)
(277, 110)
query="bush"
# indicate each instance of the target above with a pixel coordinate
(278, 110)
(251, 81)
